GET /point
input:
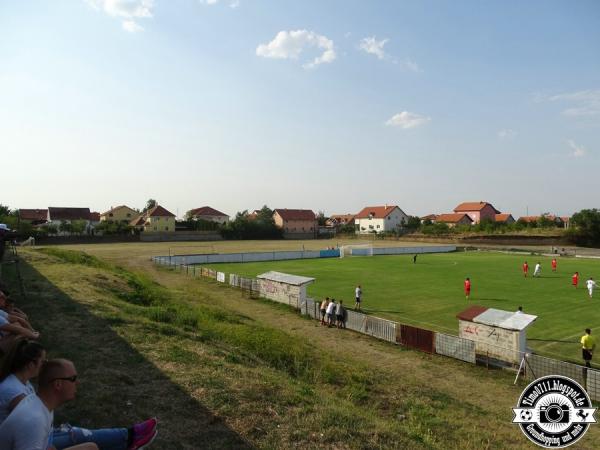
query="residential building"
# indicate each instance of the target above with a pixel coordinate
(430, 217)
(296, 223)
(209, 214)
(504, 218)
(379, 219)
(453, 220)
(122, 214)
(340, 220)
(155, 220)
(477, 211)
(33, 216)
(60, 215)
(559, 221)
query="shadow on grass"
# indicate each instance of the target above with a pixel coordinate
(119, 386)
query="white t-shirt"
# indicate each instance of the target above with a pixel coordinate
(537, 268)
(330, 308)
(10, 388)
(28, 426)
(591, 284)
(358, 292)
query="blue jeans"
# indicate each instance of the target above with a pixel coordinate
(105, 438)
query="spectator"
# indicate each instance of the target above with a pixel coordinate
(23, 363)
(339, 314)
(330, 312)
(323, 309)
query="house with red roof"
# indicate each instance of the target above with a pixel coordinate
(207, 213)
(340, 220)
(33, 216)
(453, 220)
(504, 218)
(379, 219)
(477, 211)
(296, 223)
(155, 220)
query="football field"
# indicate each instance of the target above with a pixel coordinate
(430, 293)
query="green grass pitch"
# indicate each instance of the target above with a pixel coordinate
(430, 293)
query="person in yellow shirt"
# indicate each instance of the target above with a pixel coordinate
(588, 344)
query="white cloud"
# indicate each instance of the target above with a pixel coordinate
(234, 4)
(127, 10)
(580, 103)
(131, 26)
(406, 120)
(507, 134)
(290, 44)
(374, 47)
(578, 151)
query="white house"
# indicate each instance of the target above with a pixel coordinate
(379, 219)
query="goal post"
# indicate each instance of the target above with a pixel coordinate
(356, 250)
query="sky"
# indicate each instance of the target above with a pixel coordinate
(328, 105)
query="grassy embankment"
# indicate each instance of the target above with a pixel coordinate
(222, 372)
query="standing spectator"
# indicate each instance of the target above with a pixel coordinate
(330, 312)
(554, 264)
(575, 279)
(588, 344)
(468, 288)
(358, 296)
(415, 259)
(323, 309)
(525, 269)
(339, 314)
(591, 284)
(538, 270)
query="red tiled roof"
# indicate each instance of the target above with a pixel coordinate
(33, 214)
(536, 218)
(451, 218)
(207, 211)
(502, 217)
(342, 218)
(376, 212)
(429, 217)
(57, 213)
(158, 211)
(139, 220)
(471, 312)
(473, 206)
(95, 216)
(295, 214)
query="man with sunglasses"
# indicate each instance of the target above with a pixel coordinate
(29, 425)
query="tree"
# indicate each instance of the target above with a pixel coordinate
(78, 226)
(585, 228)
(545, 221)
(151, 203)
(321, 219)
(413, 223)
(65, 227)
(4, 210)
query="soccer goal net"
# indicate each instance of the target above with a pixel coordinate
(356, 250)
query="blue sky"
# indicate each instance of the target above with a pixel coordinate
(328, 105)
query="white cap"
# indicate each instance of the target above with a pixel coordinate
(3, 227)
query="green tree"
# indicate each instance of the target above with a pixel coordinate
(78, 226)
(321, 219)
(545, 221)
(4, 210)
(151, 203)
(65, 227)
(585, 228)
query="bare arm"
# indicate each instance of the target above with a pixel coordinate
(19, 330)
(15, 401)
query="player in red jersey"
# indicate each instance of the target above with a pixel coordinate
(554, 263)
(467, 288)
(525, 269)
(575, 279)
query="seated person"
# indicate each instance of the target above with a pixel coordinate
(24, 362)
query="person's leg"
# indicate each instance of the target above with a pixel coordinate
(107, 438)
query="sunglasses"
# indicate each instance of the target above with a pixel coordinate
(72, 378)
